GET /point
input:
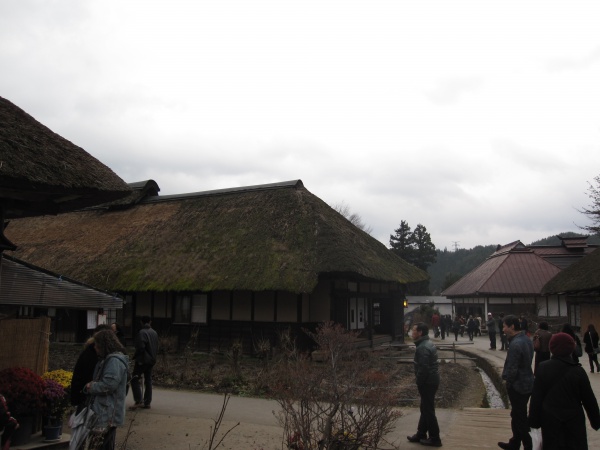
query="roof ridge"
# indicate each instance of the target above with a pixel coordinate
(258, 187)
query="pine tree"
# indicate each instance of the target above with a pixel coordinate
(424, 251)
(402, 243)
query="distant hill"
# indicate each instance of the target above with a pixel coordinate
(452, 265)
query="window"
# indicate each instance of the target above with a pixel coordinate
(190, 308)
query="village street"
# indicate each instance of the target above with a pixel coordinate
(182, 420)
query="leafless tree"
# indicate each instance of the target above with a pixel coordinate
(593, 211)
(338, 403)
(354, 218)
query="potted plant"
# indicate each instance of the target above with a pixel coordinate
(54, 408)
(63, 378)
(23, 391)
(55, 404)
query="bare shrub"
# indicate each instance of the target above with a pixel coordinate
(335, 404)
(234, 355)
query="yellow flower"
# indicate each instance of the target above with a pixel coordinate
(62, 377)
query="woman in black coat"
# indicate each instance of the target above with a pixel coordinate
(590, 339)
(561, 392)
(567, 328)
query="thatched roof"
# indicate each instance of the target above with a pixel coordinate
(43, 173)
(582, 276)
(268, 237)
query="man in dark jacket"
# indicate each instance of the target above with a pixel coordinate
(560, 389)
(491, 329)
(428, 381)
(146, 350)
(519, 383)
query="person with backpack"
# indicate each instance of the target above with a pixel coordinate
(146, 351)
(590, 339)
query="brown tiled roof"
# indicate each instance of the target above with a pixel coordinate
(511, 270)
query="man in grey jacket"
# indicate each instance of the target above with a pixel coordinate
(519, 382)
(428, 380)
(146, 350)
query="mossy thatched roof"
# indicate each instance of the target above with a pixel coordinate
(269, 237)
(582, 276)
(43, 173)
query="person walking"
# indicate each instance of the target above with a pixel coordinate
(146, 351)
(107, 390)
(435, 324)
(518, 376)
(524, 324)
(561, 393)
(428, 380)
(590, 339)
(541, 345)
(503, 339)
(578, 352)
(471, 327)
(443, 326)
(456, 327)
(491, 328)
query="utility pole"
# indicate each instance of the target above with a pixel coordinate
(455, 243)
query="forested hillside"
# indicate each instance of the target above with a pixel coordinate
(451, 265)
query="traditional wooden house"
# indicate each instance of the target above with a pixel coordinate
(512, 279)
(226, 264)
(579, 284)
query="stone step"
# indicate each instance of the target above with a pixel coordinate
(37, 443)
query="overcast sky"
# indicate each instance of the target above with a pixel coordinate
(479, 120)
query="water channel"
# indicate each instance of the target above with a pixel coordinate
(493, 396)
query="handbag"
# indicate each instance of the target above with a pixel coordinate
(536, 438)
(596, 350)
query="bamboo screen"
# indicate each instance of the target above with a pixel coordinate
(25, 343)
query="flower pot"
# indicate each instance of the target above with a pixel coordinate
(51, 421)
(52, 433)
(22, 435)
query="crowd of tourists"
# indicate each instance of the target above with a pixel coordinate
(549, 400)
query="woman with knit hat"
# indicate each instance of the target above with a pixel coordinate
(561, 393)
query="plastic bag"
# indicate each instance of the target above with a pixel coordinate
(536, 438)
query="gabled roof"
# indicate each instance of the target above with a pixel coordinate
(581, 277)
(512, 270)
(43, 173)
(268, 237)
(571, 250)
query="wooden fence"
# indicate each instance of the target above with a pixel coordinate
(25, 343)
